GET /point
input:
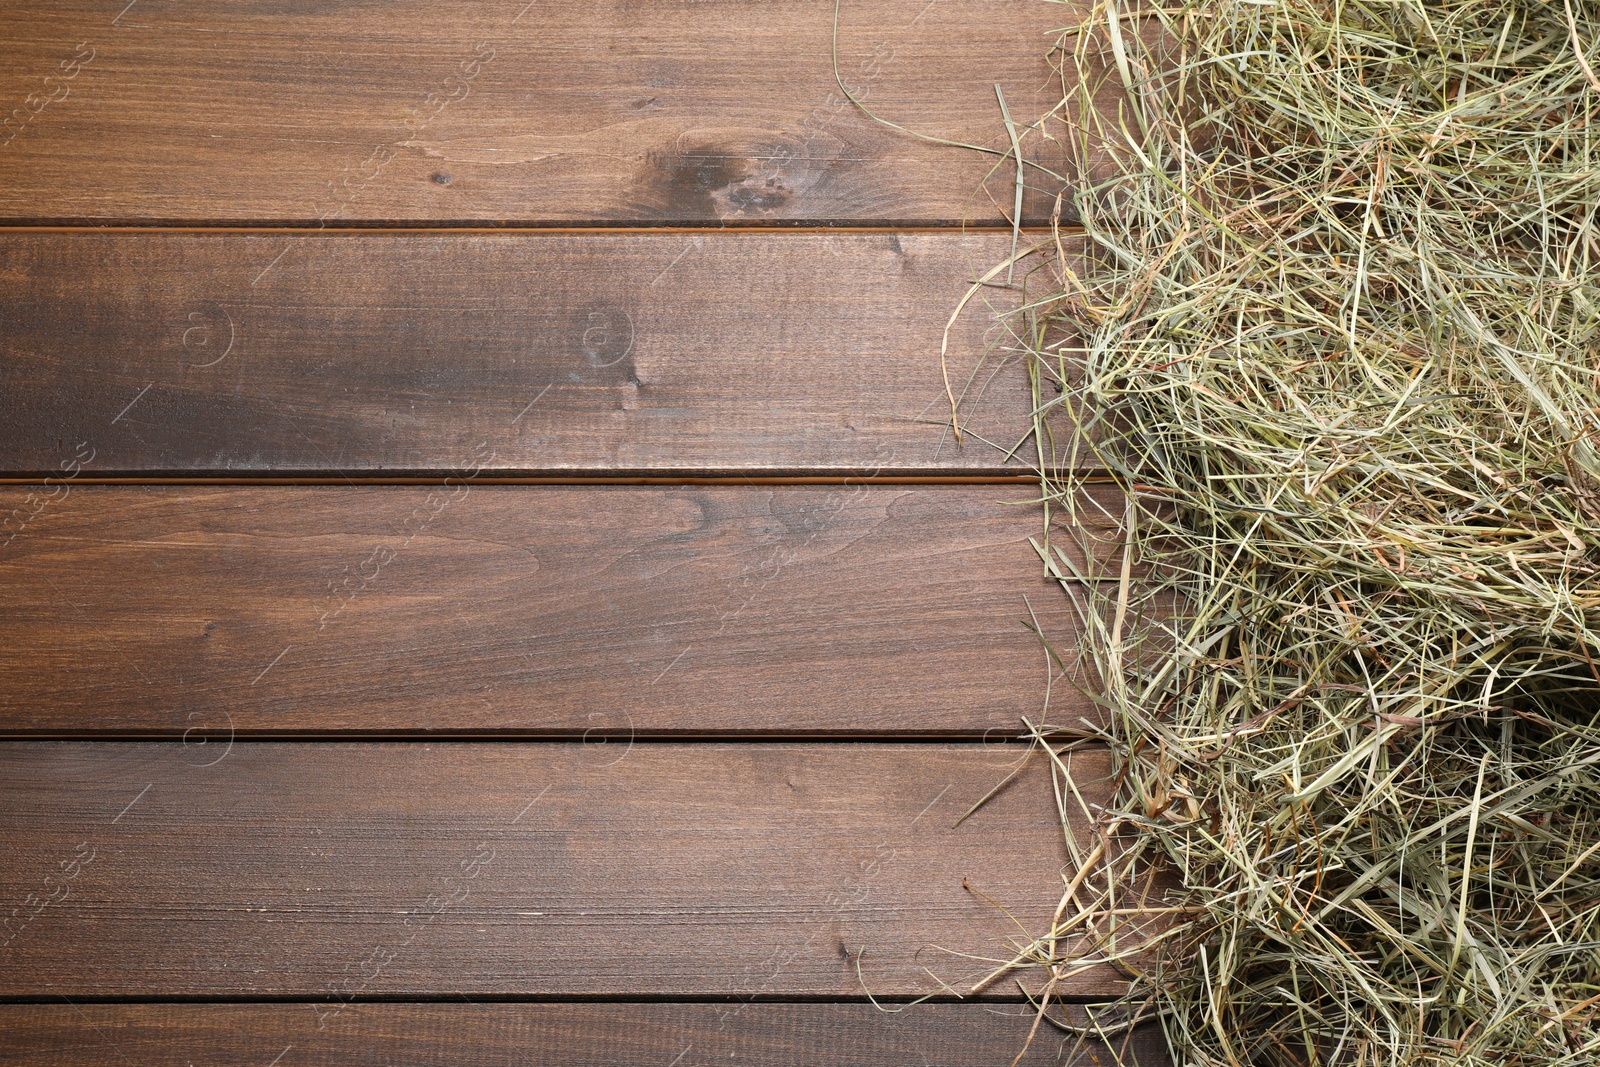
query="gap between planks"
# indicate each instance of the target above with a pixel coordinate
(989, 1001)
(450, 478)
(1030, 231)
(991, 738)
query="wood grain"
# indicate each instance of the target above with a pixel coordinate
(556, 1035)
(400, 869)
(523, 354)
(836, 610)
(567, 111)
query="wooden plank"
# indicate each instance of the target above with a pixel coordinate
(554, 355)
(570, 1035)
(408, 869)
(528, 609)
(569, 111)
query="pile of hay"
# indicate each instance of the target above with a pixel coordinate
(1338, 340)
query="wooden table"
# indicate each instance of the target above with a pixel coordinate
(488, 573)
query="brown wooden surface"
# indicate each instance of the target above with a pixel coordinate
(543, 354)
(565, 111)
(353, 896)
(554, 1035)
(832, 609)
(360, 869)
